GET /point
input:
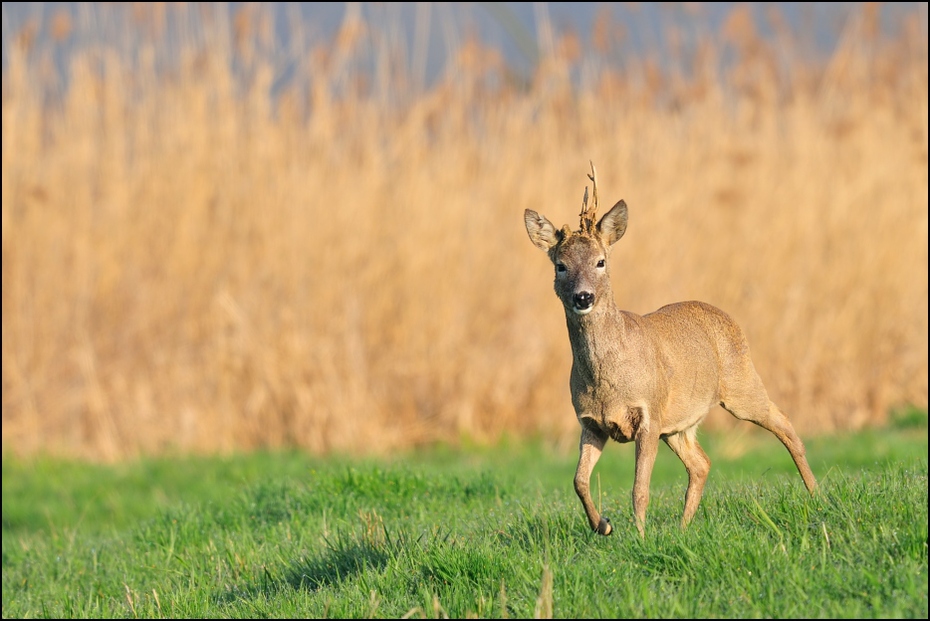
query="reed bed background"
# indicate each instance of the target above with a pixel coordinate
(214, 242)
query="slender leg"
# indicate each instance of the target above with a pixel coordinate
(590, 448)
(755, 406)
(647, 446)
(776, 422)
(697, 464)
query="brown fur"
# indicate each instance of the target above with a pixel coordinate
(645, 378)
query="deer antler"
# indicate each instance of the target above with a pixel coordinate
(588, 217)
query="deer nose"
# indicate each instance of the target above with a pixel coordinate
(583, 300)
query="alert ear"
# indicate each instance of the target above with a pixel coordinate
(613, 224)
(543, 235)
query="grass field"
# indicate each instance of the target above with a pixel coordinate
(482, 532)
(214, 242)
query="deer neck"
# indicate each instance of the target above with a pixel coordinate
(597, 336)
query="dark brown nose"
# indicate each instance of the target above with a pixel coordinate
(583, 300)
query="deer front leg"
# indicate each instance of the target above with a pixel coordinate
(647, 446)
(590, 448)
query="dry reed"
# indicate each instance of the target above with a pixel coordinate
(192, 263)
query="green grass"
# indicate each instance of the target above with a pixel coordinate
(478, 531)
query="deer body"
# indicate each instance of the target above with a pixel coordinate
(646, 378)
(636, 371)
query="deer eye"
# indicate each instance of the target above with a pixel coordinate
(560, 267)
(600, 263)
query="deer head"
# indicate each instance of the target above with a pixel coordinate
(582, 276)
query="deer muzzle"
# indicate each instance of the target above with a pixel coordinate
(583, 302)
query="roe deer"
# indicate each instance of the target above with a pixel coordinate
(650, 377)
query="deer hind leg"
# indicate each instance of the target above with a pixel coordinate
(755, 406)
(697, 464)
(591, 446)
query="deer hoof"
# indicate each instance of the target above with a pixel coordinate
(604, 527)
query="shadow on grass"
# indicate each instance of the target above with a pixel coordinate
(344, 558)
(341, 561)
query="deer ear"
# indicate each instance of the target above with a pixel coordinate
(543, 235)
(613, 224)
